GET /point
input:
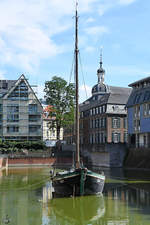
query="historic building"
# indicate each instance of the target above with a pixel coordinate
(103, 117)
(20, 111)
(49, 134)
(138, 107)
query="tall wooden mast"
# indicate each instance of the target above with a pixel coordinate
(77, 88)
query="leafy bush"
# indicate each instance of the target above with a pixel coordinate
(14, 146)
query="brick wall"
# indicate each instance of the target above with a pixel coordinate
(30, 161)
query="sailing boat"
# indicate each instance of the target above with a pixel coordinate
(79, 181)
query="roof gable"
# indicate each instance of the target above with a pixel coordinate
(20, 89)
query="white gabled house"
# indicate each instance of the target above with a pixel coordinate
(20, 111)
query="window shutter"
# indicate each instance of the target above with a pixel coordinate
(112, 122)
(118, 120)
(112, 137)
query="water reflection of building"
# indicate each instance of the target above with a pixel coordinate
(120, 199)
(27, 201)
(133, 194)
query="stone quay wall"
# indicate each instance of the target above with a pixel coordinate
(30, 161)
(3, 162)
(138, 158)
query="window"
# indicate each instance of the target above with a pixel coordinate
(96, 138)
(125, 137)
(12, 117)
(32, 108)
(1, 107)
(100, 109)
(91, 141)
(81, 140)
(12, 129)
(136, 111)
(13, 108)
(115, 137)
(90, 124)
(137, 98)
(21, 91)
(34, 128)
(81, 124)
(137, 125)
(96, 110)
(146, 109)
(125, 122)
(34, 118)
(82, 114)
(103, 122)
(93, 138)
(103, 108)
(100, 122)
(146, 96)
(93, 111)
(116, 122)
(102, 137)
(96, 123)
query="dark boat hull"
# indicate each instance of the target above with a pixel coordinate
(77, 183)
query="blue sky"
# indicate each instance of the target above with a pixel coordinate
(37, 39)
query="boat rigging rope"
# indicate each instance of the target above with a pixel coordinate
(83, 75)
(72, 67)
(71, 72)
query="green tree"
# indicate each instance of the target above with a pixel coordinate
(61, 96)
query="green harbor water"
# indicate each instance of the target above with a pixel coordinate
(25, 199)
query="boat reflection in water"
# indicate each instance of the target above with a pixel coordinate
(78, 210)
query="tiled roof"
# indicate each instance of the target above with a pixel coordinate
(146, 79)
(139, 96)
(117, 95)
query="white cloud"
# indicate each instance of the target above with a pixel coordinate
(2, 75)
(105, 6)
(89, 49)
(27, 28)
(96, 30)
(102, 8)
(126, 2)
(39, 91)
(90, 20)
